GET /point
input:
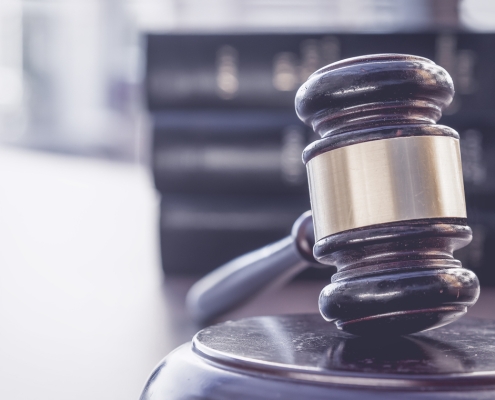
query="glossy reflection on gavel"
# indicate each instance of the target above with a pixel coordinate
(387, 202)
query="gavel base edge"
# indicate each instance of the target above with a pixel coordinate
(303, 357)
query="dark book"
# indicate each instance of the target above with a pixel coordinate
(477, 138)
(479, 255)
(200, 233)
(229, 152)
(229, 71)
(264, 71)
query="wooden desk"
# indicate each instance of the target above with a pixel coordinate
(85, 312)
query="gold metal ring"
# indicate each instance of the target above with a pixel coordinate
(384, 181)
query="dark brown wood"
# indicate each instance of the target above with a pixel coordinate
(374, 91)
(393, 278)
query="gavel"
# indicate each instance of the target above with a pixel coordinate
(387, 200)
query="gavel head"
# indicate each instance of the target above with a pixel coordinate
(387, 194)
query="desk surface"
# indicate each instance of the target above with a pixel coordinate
(85, 312)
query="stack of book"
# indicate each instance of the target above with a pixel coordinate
(230, 183)
(227, 144)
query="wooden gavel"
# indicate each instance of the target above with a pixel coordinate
(387, 203)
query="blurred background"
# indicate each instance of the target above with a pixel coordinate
(145, 142)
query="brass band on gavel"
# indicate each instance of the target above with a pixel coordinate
(382, 181)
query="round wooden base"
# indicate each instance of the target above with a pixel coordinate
(304, 357)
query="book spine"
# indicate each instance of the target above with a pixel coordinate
(232, 71)
(200, 233)
(479, 255)
(477, 139)
(264, 71)
(214, 153)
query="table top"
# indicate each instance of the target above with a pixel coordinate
(86, 311)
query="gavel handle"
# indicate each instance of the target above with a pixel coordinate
(240, 279)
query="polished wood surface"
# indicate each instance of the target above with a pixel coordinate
(301, 356)
(84, 309)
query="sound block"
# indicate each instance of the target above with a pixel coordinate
(304, 357)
